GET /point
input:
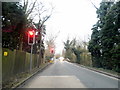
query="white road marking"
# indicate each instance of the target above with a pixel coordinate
(58, 76)
(93, 71)
(55, 82)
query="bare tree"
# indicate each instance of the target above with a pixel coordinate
(28, 10)
(43, 14)
(50, 41)
(94, 5)
(37, 10)
(28, 7)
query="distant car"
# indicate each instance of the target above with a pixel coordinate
(52, 60)
(61, 59)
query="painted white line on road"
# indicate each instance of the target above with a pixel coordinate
(55, 82)
(58, 76)
(93, 71)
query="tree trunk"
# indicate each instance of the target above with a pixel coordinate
(21, 42)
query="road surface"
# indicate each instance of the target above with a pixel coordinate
(68, 75)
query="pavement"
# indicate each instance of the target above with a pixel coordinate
(69, 75)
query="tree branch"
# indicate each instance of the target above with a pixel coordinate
(93, 5)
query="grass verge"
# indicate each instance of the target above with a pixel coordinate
(101, 70)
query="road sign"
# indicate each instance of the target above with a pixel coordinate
(5, 53)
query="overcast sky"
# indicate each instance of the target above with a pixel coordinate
(73, 18)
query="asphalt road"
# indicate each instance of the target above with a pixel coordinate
(68, 75)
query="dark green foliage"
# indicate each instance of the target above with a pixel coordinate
(13, 20)
(67, 46)
(77, 54)
(94, 47)
(72, 48)
(48, 57)
(105, 39)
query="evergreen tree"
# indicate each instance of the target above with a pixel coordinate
(67, 46)
(111, 38)
(12, 22)
(95, 44)
(105, 39)
(94, 47)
